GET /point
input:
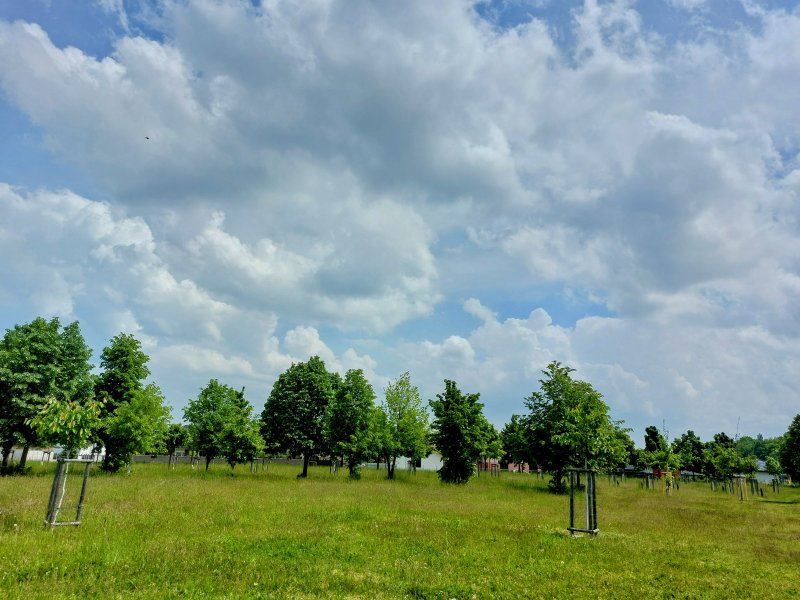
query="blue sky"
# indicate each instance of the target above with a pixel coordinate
(461, 190)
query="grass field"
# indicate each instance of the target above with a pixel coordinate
(187, 534)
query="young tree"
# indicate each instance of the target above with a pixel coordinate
(458, 432)
(138, 425)
(124, 367)
(39, 361)
(400, 425)
(690, 449)
(347, 422)
(215, 408)
(789, 452)
(569, 425)
(653, 440)
(515, 443)
(239, 440)
(66, 423)
(174, 438)
(294, 414)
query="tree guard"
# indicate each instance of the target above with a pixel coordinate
(59, 490)
(591, 501)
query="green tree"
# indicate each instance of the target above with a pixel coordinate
(569, 425)
(293, 419)
(653, 440)
(721, 460)
(209, 414)
(138, 425)
(239, 440)
(124, 369)
(401, 424)
(789, 453)
(515, 443)
(174, 438)
(348, 420)
(773, 466)
(458, 432)
(690, 449)
(66, 423)
(39, 361)
(490, 444)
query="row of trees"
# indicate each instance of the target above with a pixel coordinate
(49, 396)
(311, 412)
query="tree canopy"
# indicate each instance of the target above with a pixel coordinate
(120, 387)
(459, 432)
(39, 361)
(293, 420)
(789, 453)
(401, 424)
(569, 425)
(348, 420)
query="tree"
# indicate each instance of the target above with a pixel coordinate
(569, 425)
(721, 460)
(458, 432)
(138, 426)
(514, 440)
(66, 423)
(347, 422)
(239, 439)
(124, 367)
(690, 450)
(212, 412)
(489, 442)
(400, 425)
(653, 440)
(39, 361)
(293, 419)
(174, 438)
(789, 452)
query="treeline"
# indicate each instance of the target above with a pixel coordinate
(49, 396)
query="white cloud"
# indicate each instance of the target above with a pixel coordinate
(337, 169)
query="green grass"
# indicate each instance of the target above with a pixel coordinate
(188, 534)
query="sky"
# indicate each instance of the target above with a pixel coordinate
(462, 190)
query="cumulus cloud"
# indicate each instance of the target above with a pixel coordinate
(274, 172)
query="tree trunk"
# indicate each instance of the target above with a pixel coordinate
(7, 445)
(208, 462)
(304, 474)
(390, 465)
(24, 458)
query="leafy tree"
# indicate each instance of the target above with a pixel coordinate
(400, 425)
(490, 445)
(347, 423)
(569, 425)
(217, 408)
(773, 466)
(124, 367)
(138, 426)
(690, 449)
(66, 423)
(789, 453)
(293, 419)
(239, 439)
(724, 440)
(514, 440)
(458, 432)
(653, 440)
(174, 438)
(39, 361)
(721, 460)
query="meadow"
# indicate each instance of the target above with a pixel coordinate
(158, 533)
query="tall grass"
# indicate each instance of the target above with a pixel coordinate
(188, 534)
